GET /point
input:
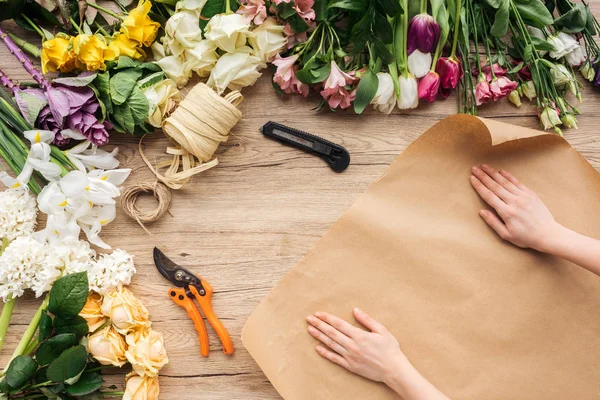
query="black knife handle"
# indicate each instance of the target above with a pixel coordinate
(335, 155)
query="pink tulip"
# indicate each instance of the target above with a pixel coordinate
(450, 70)
(304, 8)
(501, 87)
(253, 10)
(334, 91)
(429, 86)
(423, 34)
(482, 92)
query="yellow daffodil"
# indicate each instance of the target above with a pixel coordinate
(90, 51)
(58, 55)
(123, 46)
(139, 26)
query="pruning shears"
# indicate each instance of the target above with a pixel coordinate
(187, 288)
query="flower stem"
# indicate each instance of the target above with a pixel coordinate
(29, 332)
(227, 6)
(77, 27)
(33, 25)
(423, 6)
(7, 312)
(43, 384)
(101, 29)
(31, 48)
(104, 10)
(26, 62)
(35, 342)
(456, 28)
(7, 82)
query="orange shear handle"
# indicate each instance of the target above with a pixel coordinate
(206, 305)
(180, 298)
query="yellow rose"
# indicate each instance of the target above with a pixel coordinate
(123, 46)
(146, 352)
(92, 313)
(125, 311)
(108, 347)
(57, 54)
(90, 52)
(139, 26)
(138, 388)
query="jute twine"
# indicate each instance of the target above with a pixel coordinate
(200, 123)
(129, 198)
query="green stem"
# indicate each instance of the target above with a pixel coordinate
(436, 56)
(113, 393)
(227, 6)
(25, 45)
(99, 368)
(423, 6)
(7, 312)
(43, 384)
(32, 346)
(101, 29)
(33, 25)
(77, 27)
(29, 332)
(104, 10)
(456, 28)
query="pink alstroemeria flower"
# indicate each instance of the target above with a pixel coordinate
(293, 37)
(482, 92)
(501, 87)
(304, 8)
(285, 76)
(253, 10)
(334, 91)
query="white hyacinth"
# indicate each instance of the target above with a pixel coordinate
(27, 264)
(18, 213)
(106, 272)
(74, 255)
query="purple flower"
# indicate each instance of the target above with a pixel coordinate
(596, 81)
(423, 34)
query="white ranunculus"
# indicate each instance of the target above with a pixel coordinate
(201, 58)
(162, 98)
(235, 70)
(182, 31)
(228, 31)
(174, 68)
(385, 98)
(419, 63)
(18, 213)
(268, 39)
(409, 95)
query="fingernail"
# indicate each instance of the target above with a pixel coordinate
(310, 318)
(318, 314)
(482, 212)
(473, 178)
(485, 166)
(357, 310)
(475, 169)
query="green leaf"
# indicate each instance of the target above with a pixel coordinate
(390, 7)
(11, 9)
(573, 21)
(69, 294)
(534, 13)
(366, 91)
(151, 79)
(320, 8)
(122, 83)
(20, 371)
(501, 19)
(122, 115)
(45, 326)
(102, 87)
(286, 10)
(150, 66)
(76, 325)
(30, 105)
(53, 347)
(68, 365)
(383, 29)
(541, 44)
(88, 383)
(589, 24)
(4, 386)
(126, 62)
(528, 54)
(139, 106)
(84, 79)
(380, 50)
(212, 8)
(351, 5)
(298, 24)
(516, 68)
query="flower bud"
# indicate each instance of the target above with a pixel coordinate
(588, 72)
(528, 90)
(423, 34)
(569, 120)
(450, 71)
(549, 118)
(108, 347)
(514, 98)
(429, 86)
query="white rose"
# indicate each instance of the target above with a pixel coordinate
(194, 5)
(182, 32)
(235, 70)
(174, 68)
(268, 39)
(228, 31)
(162, 98)
(201, 58)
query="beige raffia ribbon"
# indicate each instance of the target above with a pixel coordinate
(196, 129)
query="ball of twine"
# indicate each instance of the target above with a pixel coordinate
(129, 198)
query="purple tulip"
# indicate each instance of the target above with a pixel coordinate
(423, 34)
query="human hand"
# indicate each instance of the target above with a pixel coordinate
(525, 221)
(376, 355)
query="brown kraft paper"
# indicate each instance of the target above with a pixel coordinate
(479, 317)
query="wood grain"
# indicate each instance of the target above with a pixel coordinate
(245, 223)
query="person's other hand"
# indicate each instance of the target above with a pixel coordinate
(524, 219)
(376, 355)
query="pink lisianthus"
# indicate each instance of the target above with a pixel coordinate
(334, 91)
(487, 71)
(501, 87)
(482, 91)
(253, 10)
(429, 86)
(450, 70)
(285, 76)
(304, 8)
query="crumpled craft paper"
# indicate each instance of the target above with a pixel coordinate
(479, 317)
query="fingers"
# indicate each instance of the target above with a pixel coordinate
(368, 322)
(515, 181)
(333, 357)
(336, 322)
(493, 186)
(495, 223)
(329, 331)
(501, 179)
(487, 195)
(326, 340)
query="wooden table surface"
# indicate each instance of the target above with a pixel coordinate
(243, 224)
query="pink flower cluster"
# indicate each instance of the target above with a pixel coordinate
(304, 9)
(335, 91)
(253, 10)
(493, 84)
(285, 76)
